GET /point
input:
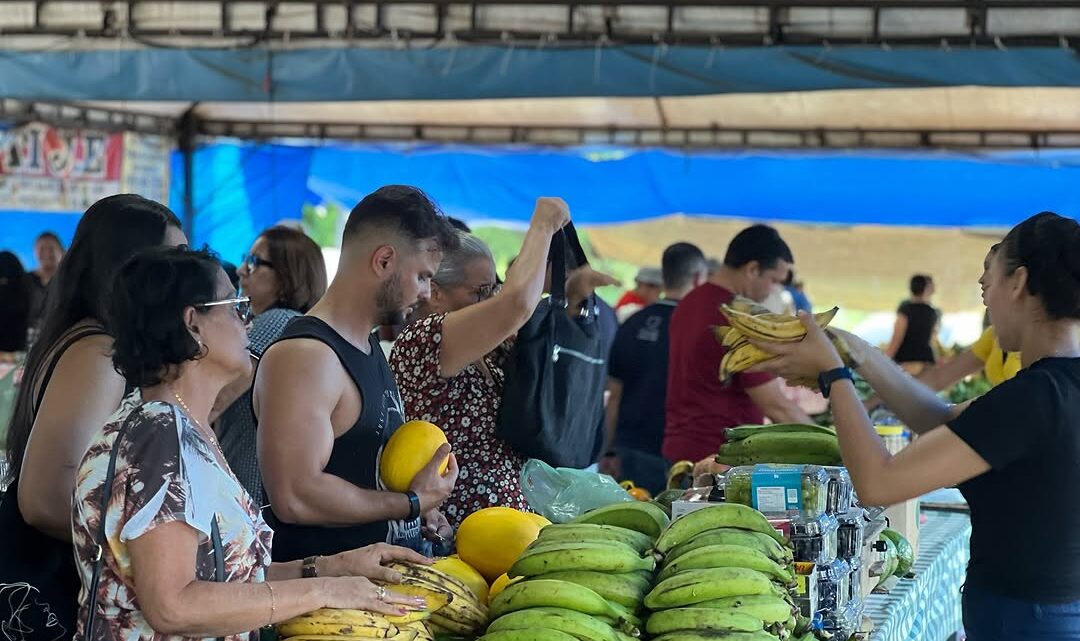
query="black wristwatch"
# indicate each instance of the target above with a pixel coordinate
(309, 570)
(414, 505)
(826, 379)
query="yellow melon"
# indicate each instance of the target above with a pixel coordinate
(467, 574)
(491, 539)
(408, 451)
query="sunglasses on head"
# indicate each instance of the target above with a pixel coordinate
(242, 304)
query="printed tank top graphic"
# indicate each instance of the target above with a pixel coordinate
(391, 416)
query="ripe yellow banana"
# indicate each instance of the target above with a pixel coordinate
(463, 610)
(741, 359)
(442, 625)
(343, 623)
(435, 596)
(701, 620)
(773, 327)
(722, 515)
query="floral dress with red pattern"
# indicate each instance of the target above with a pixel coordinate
(465, 407)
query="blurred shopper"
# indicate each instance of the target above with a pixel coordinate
(699, 404)
(648, 284)
(48, 252)
(284, 275)
(638, 377)
(15, 303)
(915, 332)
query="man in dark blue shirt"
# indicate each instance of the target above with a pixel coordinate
(637, 377)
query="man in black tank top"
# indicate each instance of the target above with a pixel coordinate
(326, 401)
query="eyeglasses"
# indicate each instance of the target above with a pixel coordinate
(254, 262)
(242, 305)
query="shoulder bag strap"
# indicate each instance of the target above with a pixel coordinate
(99, 550)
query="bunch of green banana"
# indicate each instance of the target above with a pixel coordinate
(688, 635)
(767, 607)
(595, 533)
(782, 444)
(723, 515)
(642, 516)
(462, 614)
(539, 593)
(727, 556)
(749, 323)
(763, 543)
(690, 587)
(703, 619)
(627, 590)
(579, 625)
(547, 557)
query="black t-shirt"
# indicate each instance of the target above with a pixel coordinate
(1025, 512)
(639, 359)
(922, 319)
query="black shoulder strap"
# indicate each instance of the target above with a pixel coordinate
(99, 540)
(68, 341)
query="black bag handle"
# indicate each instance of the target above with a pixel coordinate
(99, 556)
(567, 238)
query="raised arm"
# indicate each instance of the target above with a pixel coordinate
(471, 333)
(83, 392)
(297, 389)
(770, 399)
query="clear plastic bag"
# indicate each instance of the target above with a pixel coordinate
(562, 494)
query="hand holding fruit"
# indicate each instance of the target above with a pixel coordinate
(432, 487)
(803, 359)
(358, 593)
(370, 562)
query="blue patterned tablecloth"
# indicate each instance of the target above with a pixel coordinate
(927, 608)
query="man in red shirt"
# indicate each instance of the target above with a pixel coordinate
(699, 405)
(648, 284)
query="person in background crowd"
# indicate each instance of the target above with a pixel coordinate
(1022, 583)
(48, 251)
(986, 355)
(15, 302)
(700, 405)
(714, 267)
(173, 502)
(648, 284)
(284, 275)
(326, 400)
(68, 391)
(912, 343)
(796, 289)
(449, 363)
(638, 377)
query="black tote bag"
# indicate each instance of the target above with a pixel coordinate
(556, 374)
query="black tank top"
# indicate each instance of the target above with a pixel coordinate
(916, 347)
(355, 456)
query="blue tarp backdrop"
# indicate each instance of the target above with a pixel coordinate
(506, 72)
(242, 188)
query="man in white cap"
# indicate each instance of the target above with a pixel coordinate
(649, 282)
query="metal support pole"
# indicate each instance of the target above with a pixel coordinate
(187, 129)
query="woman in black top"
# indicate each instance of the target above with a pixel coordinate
(1014, 453)
(14, 303)
(916, 325)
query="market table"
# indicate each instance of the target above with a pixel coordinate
(927, 608)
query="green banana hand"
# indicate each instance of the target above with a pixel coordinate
(595, 533)
(768, 608)
(701, 620)
(540, 634)
(712, 517)
(695, 586)
(642, 516)
(684, 635)
(556, 594)
(725, 556)
(763, 543)
(597, 557)
(582, 626)
(627, 590)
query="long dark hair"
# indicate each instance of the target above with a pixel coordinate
(111, 231)
(299, 265)
(1048, 245)
(14, 303)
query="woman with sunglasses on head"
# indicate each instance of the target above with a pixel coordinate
(1014, 453)
(284, 275)
(449, 363)
(69, 389)
(168, 543)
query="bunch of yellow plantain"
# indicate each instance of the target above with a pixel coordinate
(725, 573)
(749, 322)
(450, 608)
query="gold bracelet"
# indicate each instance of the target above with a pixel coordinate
(273, 604)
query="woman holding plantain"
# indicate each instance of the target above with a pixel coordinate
(168, 543)
(1013, 452)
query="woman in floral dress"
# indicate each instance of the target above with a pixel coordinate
(449, 364)
(180, 336)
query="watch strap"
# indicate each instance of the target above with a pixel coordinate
(826, 379)
(309, 570)
(414, 505)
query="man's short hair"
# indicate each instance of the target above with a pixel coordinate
(919, 283)
(759, 243)
(406, 211)
(681, 262)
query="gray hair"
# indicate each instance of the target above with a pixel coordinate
(452, 268)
